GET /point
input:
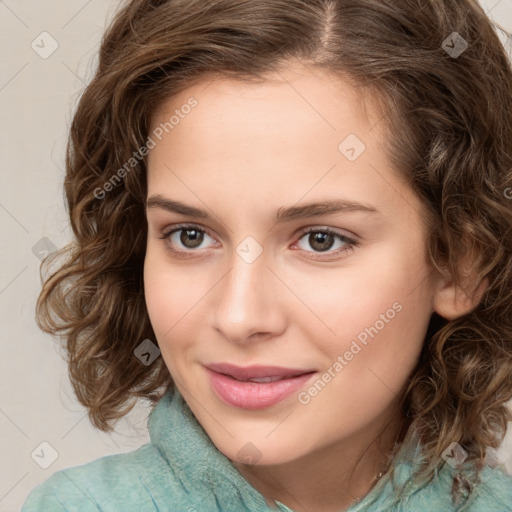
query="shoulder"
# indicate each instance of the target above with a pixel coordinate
(112, 483)
(494, 491)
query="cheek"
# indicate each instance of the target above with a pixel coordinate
(176, 300)
(377, 315)
(166, 309)
(168, 296)
(388, 343)
(369, 291)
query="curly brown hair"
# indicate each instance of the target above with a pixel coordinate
(448, 112)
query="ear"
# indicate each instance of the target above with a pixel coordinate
(452, 301)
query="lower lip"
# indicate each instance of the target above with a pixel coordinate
(254, 395)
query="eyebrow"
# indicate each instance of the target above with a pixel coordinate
(284, 214)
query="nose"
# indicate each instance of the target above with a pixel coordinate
(248, 302)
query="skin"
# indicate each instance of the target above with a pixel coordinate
(245, 151)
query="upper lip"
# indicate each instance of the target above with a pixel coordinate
(255, 371)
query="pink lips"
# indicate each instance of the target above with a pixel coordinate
(231, 385)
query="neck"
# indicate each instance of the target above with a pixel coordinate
(329, 480)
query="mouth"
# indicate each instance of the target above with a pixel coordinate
(255, 387)
(258, 373)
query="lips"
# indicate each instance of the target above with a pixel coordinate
(257, 373)
(256, 387)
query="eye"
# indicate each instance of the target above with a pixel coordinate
(322, 240)
(185, 238)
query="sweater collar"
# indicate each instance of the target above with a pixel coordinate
(199, 465)
(196, 461)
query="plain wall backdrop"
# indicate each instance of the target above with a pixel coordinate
(47, 55)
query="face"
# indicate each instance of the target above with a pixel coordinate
(246, 271)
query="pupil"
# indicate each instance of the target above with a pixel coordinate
(320, 238)
(191, 234)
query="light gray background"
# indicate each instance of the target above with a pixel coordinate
(37, 98)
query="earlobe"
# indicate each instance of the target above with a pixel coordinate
(452, 301)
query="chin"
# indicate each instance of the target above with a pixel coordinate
(255, 453)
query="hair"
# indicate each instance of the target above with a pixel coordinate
(448, 122)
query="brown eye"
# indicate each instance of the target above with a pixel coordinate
(191, 238)
(321, 241)
(186, 239)
(324, 240)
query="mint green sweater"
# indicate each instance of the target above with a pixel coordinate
(181, 470)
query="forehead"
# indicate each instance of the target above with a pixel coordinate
(294, 113)
(300, 132)
(314, 97)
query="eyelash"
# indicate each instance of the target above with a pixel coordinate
(350, 243)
